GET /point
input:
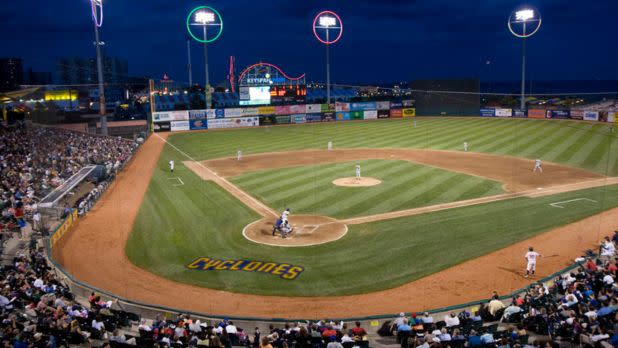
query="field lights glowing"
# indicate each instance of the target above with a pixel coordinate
(204, 17)
(327, 21)
(97, 7)
(524, 15)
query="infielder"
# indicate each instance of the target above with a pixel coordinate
(465, 146)
(531, 257)
(171, 163)
(358, 172)
(238, 155)
(330, 145)
(537, 166)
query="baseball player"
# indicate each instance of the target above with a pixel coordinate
(285, 214)
(465, 146)
(414, 124)
(330, 145)
(537, 166)
(171, 164)
(531, 257)
(238, 155)
(358, 172)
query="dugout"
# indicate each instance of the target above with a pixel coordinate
(447, 97)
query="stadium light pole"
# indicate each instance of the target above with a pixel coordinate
(327, 20)
(526, 18)
(204, 16)
(97, 8)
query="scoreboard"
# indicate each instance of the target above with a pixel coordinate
(288, 94)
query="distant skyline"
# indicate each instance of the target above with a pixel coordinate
(383, 41)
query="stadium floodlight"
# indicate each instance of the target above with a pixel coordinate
(327, 21)
(523, 23)
(205, 16)
(96, 7)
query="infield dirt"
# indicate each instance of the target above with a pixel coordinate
(93, 251)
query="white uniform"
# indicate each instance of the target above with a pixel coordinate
(531, 256)
(358, 172)
(466, 146)
(172, 166)
(330, 145)
(537, 166)
(238, 155)
(608, 249)
(284, 215)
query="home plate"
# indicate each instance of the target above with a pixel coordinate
(539, 188)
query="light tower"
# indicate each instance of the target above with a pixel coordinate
(97, 19)
(523, 23)
(326, 21)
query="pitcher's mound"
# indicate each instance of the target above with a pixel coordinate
(354, 182)
(308, 230)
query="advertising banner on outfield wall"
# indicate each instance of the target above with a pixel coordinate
(234, 122)
(488, 112)
(362, 106)
(299, 118)
(384, 113)
(309, 118)
(201, 114)
(250, 112)
(577, 114)
(266, 110)
(611, 117)
(519, 113)
(162, 127)
(396, 113)
(591, 115)
(504, 112)
(179, 126)
(370, 114)
(325, 108)
(313, 108)
(298, 109)
(164, 116)
(233, 112)
(408, 112)
(342, 107)
(407, 103)
(603, 116)
(560, 114)
(328, 116)
(343, 116)
(282, 110)
(198, 124)
(356, 115)
(383, 105)
(396, 105)
(537, 113)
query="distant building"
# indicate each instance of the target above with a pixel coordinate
(11, 73)
(37, 77)
(82, 71)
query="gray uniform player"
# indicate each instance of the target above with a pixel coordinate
(537, 166)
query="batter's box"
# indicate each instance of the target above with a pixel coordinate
(308, 229)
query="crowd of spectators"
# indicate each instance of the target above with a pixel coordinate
(35, 160)
(577, 308)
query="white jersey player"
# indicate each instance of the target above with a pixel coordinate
(329, 145)
(531, 257)
(171, 164)
(465, 144)
(358, 172)
(537, 166)
(238, 155)
(284, 215)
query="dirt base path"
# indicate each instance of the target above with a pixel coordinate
(308, 230)
(94, 253)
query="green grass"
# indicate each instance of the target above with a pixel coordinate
(177, 224)
(405, 185)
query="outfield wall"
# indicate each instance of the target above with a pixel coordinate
(188, 120)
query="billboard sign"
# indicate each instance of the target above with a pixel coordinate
(504, 112)
(180, 126)
(255, 95)
(198, 124)
(234, 122)
(165, 116)
(384, 113)
(537, 113)
(250, 111)
(266, 110)
(342, 107)
(233, 112)
(558, 114)
(201, 114)
(313, 108)
(396, 113)
(356, 115)
(408, 112)
(383, 105)
(363, 106)
(328, 116)
(396, 105)
(370, 114)
(313, 118)
(162, 127)
(577, 114)
(299, 118)
(591, 115)
(488, 112)
(407, 103)
(343, 116)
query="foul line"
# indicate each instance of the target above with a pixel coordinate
(179, 179)
(228, 186)
(559, 204)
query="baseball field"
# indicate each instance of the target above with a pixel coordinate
(435, 225)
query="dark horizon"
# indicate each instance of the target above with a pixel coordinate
(424, 39)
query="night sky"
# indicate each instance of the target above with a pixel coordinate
(383, 41)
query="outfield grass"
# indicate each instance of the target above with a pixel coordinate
(405, 185)
(580, 144)
(178, 224)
